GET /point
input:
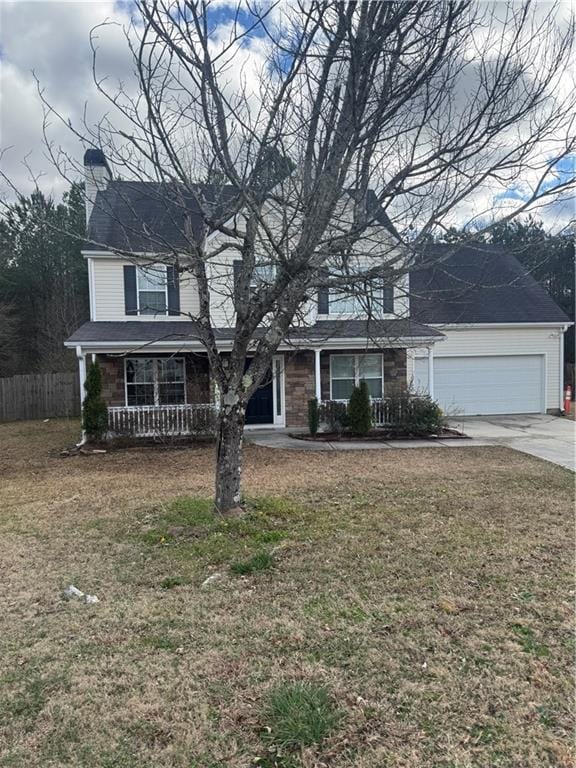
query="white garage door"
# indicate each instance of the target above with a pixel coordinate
(485, 385)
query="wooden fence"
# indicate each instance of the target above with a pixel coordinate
(39, 396)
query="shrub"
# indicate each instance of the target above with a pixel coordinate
(313, 416)
(415, 415)
(335, 414)
(94, 410)
(299, 714)
(360, 410)
(425, 416)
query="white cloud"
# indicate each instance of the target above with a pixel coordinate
(51, 39)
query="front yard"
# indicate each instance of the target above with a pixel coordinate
(421, 599)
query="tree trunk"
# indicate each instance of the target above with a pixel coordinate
(229, 457)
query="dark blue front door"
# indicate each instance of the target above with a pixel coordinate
(260, 408)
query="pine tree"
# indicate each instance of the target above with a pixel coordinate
(94, 410)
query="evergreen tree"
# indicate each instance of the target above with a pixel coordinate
(43, 282)
(94, 410)
(360, 410)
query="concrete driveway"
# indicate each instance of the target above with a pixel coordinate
(548, 437)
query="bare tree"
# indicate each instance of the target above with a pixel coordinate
(325, 126)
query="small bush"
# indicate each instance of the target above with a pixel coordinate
(335, 414)
(425, 416)
(360, 410)
(313, 416)
(94, 410)
(261, 561)
(299, 714)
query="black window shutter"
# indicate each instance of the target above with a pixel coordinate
(130, 297)
(173, 281)
(388, 299)
(237, 270)
(323, 296)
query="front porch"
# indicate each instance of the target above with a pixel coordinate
(172, 396)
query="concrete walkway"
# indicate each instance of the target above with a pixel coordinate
(547, 437)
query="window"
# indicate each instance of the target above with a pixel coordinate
(263, 274)
(347, 371)
(369, 297)
(152, 286)
(155, 381)
(342, 304)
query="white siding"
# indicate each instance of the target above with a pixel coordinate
(504, 341)
(220, 272)
(108, 292)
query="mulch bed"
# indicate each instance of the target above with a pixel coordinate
(381, 435)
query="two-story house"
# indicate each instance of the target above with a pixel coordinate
(475, 331)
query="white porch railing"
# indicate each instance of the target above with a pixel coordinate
(162, 420)
(384, 411)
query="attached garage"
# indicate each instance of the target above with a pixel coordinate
(486, 384)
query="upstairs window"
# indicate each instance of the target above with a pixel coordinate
(155, 381)
(370, 297)
(347, 371)
(152, 287)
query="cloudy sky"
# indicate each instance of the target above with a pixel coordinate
(51, 39)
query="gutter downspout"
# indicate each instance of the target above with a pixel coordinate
(561, 372)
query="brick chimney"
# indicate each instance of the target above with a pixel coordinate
(97, 174)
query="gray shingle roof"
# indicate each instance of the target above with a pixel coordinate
(478, 284)
(143, 216)
(147, 331)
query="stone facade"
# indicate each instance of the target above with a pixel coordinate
(197, 378)
(299, 386)
(112, 368)
(299, 380)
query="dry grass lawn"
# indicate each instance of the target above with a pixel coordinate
(428, 592)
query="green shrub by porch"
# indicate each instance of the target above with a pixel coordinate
(416, 415)
(313, 416)
(424, 417)
(94, 410)
(360, 410)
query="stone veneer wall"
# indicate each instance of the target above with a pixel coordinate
(112, 368)
(299, 386)
(394, 369)
(197, 378)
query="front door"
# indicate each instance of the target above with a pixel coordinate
(260, 409)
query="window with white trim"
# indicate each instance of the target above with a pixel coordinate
(155, 381)
(152, 288)
(347, 371)
(363, 297)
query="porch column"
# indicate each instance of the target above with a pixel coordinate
(431, 371)
(82, 374)
(317, 382)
